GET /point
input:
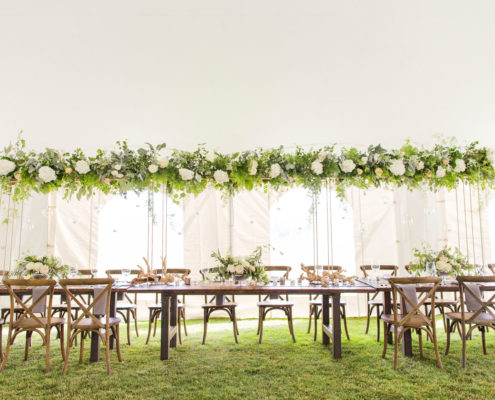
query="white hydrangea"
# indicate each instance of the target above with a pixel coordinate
(6, 167)
(44, 269)
(186, 174)
(460, 165)
(220, 176)
(275, 170)
(152, 168)
(117, 167)
(397, 167)
(114, 172)
(198, 177)
(317, 167)
(364, 160)
(420, 165)
(163, 163)
(30, 266)
(231, 268)
(253, 167)
(322, 156)
(443, 266)
(490, 154)
(210, 156)
(82, 167)
(47, 174)
(239, 269)
(440, 172)
(347, 166)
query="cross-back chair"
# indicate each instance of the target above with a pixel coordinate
(126, 305)
(373, 302)
(35, 317)
(275, 302)
(61, 308)
(411, 317)
(475, 312)
(155, 310)
(218, 303)
(315, 303)
(94, 318)
(6, 310)
(442, 304)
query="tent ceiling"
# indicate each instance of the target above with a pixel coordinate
(241, 74)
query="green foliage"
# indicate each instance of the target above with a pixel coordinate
(229, 266)
(47, 265)
(446, 261)
(183, 172)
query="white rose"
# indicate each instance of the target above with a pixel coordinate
(44, 269)
(252, 268)
(490, 154)
(253, 167)
(6, 167)
(317, 167)
(420, 165)
(397, 167)
(186, 174)
(163, 163)
(440, 172)
(347, 166)
(443, 266)
(198, 177)
(152, 168)
(460, 165)
(275, 170)
(322, 156)
(239, 269)
(364, 160)
(117, 167)
(38, 267)
(82, 167)
(47, 174)
(114, 172)
(210, 156)
(30, 266)
(231, 268)
(220, 176)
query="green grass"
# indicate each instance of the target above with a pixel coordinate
(277, 369)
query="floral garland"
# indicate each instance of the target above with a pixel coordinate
(183, 172)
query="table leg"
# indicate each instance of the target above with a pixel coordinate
(165, 331)
(325, 321)
(95, 347)
(387, 309)
(336, 331)
(173, 320)
(407, 337)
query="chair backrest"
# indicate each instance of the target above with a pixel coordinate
(278, 268)
(85, 272)
(492, 268)
(217, 298)
(409, 268)
(331, 268)
(41, 289)
(405, 289)
(472, 299)
(99, 305)
(117, 271)
(390, 268)
(178, 271)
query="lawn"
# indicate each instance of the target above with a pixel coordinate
(276, 369)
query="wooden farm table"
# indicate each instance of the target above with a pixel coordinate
(451, 286)
(95, 339)
(169, 305)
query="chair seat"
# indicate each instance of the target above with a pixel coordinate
(483, 318)
(213, 305)
(63, 307)
(415, 321)
(31, 323)
(375, 302)
(319, 303)
(275, 303)
(89, 324)
(445, 302)
(159, 306)
(125, 306)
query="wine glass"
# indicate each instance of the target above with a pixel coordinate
(94, 271)
(375, 267)
(126, 272)
(73, 271)
(430, 270)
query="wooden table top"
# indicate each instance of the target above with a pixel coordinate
(450, 286)
(225, 288)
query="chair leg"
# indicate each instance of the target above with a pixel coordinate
(368, 315)
(316, 316)
(205, 324)
(66, 358)
(396, 348)
(435, 344)
(184, 320)
(157, 315)
(483, 342)
(62, 340)
(291, 327)
(81, 349)
(378, 323)
(107, 351)
(344, 319)
(7, 350)
(234, 324)
(310, 316)
(1, 344)
(47, 340)
(385, 339)
(134, 315)
(179, 328)
(447, 345)
(150, 325)
(128, 323)
(259, 320)
(262, 318)
(26, 347)
(117, 340)
(463, 337)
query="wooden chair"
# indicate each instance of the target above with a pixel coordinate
(411, 318)
(127, 309)
(94, 318)
(475, 311)
(218, 303)
(372, 301)
(28, 321)
(315, 303)
(61, 309)
(442, 304)
(492, 268)
(155, 310)
(275, 302)
(18, 310)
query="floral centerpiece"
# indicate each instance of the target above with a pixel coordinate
(239, 267)
(448, 261)
(40, 267)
